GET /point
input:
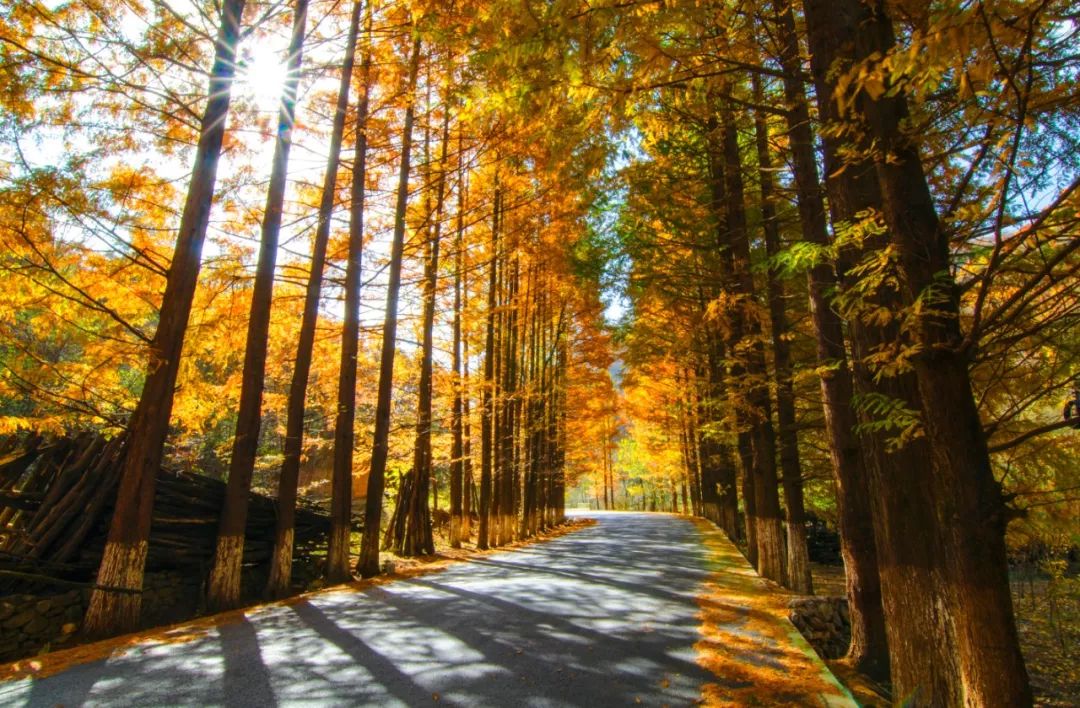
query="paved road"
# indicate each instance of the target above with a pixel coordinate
(605, 616)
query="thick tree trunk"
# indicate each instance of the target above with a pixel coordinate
(923, 530)
(223, 590)
(966, 497)
(124, 559)
(281, 565)
(868, 650)
(368, 565)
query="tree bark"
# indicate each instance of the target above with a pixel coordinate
(509, 401)
(458, 510)
(338, 568)
(124, 559)
(964, 494)
(468, 491)
(418, 535)
(368, 564)
(798, 558)
(868, 650)
(223, 591)
(487, 395)
(735, 246)
(281, 565)
(920, 514)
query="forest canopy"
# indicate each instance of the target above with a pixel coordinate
(754, 261)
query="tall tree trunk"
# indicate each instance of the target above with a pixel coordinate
(726, 184)
(798, 558)
(609, 482)
(281, 564)
(688, 434)
(868, 650)
(468, 489)
(458, 509)
(124, 558)
(487, 394)
(368, 564)
(708, 447)
(509, 399)
(497, 396)
(559, 502)
(223, 591)
(721, 468)
(338, 569)
(536, 381)
(418, 536)
(964, 495)
(924, 628)
(750, 525)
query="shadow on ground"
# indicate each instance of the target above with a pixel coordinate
(604, 616)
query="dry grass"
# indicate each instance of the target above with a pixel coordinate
(759, 659)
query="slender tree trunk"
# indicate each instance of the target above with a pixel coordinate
(536, 381)
(733, 241)
(487, 396)
(721, 468)
(868, 650)
(708, 448)
(224, 590)
(688, 434)
(338, 569)
(692, 437)
(509, 400)
(559, 505)
(124, 558)
(368, 565)
(750, 525)
(798, 558)
(497, 396)
(418, 536)
(468, 491)
(458, 508)
(281, 563)
(609, 482)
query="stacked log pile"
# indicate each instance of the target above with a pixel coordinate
(56, 499)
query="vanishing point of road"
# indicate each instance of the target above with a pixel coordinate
(638, 609)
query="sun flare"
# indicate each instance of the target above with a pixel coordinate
(262, 76)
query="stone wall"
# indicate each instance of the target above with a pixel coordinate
(825, 623)
(32, 624)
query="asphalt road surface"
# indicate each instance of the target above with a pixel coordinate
(604, 616)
